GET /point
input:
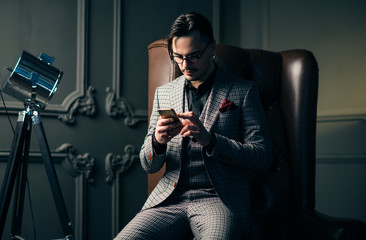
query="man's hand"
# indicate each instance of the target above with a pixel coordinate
(166, 129)
(192, 126)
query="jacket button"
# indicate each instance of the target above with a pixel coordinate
(150, 156)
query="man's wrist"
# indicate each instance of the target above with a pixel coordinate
(211, 144)
(158, 147)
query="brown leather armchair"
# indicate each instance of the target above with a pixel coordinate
(284, 199)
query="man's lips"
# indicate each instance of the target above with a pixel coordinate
(188, 72)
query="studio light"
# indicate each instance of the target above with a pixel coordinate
(32, 81)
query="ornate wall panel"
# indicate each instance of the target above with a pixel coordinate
(115, 165)
(332, 30)
(116, 106)
(60, 29)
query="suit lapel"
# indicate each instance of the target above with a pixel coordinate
(177, 94)
(176, 102)
(218, 94)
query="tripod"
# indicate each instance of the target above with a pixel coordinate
(16, 174)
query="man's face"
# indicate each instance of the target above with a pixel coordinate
(189, 47)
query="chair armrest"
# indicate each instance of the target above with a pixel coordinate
(315, 225)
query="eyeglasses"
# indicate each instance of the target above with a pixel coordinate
(194, 58)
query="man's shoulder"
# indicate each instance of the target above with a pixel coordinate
(173, 83)
(234, 79)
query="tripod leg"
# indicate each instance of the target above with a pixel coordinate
(15, 159)
(21, 183)
(53, 181)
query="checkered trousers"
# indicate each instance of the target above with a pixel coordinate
(195, 213)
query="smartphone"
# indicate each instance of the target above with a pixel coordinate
(168, 113)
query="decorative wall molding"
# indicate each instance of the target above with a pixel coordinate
(77, 165)
(72, 103)
(85, 106)
(80, 167)
(341, 159)
(255, 24)
(216, 19)
(120, 164)
(341, 118)
(115, 105)
(115, 165)
(34, 157)
(266, 24)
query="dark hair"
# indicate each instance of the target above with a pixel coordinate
(187, 23)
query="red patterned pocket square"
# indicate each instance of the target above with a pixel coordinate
(227, 105)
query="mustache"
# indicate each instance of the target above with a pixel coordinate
(189, 69)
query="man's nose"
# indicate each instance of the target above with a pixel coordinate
(185, 63)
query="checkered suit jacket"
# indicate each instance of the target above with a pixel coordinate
(242, 140)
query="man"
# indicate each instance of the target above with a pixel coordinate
(220, 137)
